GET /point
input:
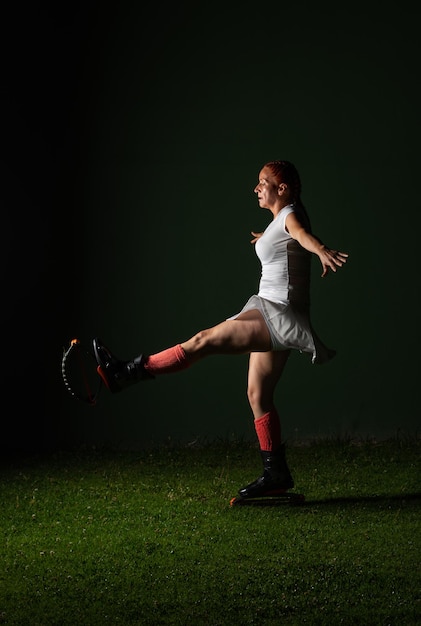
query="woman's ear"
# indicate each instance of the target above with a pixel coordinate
(282, 188)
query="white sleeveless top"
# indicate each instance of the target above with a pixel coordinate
(286, 265)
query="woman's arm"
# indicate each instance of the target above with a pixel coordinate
(330, 259)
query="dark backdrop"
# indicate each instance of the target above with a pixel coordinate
(131, 143)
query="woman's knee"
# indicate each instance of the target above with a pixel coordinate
(198, 344)
(260, 394)
(255, 396)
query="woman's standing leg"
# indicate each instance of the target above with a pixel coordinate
(265, 370)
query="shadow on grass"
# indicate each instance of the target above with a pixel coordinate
(383, 501)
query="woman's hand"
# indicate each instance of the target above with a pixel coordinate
(331, 259)
(256, 236)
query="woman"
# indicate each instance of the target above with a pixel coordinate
(270, 325)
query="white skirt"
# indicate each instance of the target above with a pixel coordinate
(289, 328)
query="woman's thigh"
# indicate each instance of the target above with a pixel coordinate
(247, 333)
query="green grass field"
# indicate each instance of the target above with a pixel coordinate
(109, 537)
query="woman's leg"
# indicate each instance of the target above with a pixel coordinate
(265, 370)
(247, 333)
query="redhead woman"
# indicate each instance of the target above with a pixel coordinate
(273, 322)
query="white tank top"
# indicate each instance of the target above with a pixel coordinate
(286, 265)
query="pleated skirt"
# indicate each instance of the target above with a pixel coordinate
(290, 328)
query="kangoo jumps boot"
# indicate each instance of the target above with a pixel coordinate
(276, 478)
(117, 374)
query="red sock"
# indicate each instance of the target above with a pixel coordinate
(171, 360)
(268, 429)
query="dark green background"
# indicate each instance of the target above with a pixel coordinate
(132, 142)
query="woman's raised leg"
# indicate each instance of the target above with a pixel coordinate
(247, 333)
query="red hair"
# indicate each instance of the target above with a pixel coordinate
(286, 172)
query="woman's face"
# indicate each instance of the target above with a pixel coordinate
(267, 189)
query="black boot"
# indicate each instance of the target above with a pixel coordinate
(117, 374)
(276, 477)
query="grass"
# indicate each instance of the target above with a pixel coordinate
(109, 537)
